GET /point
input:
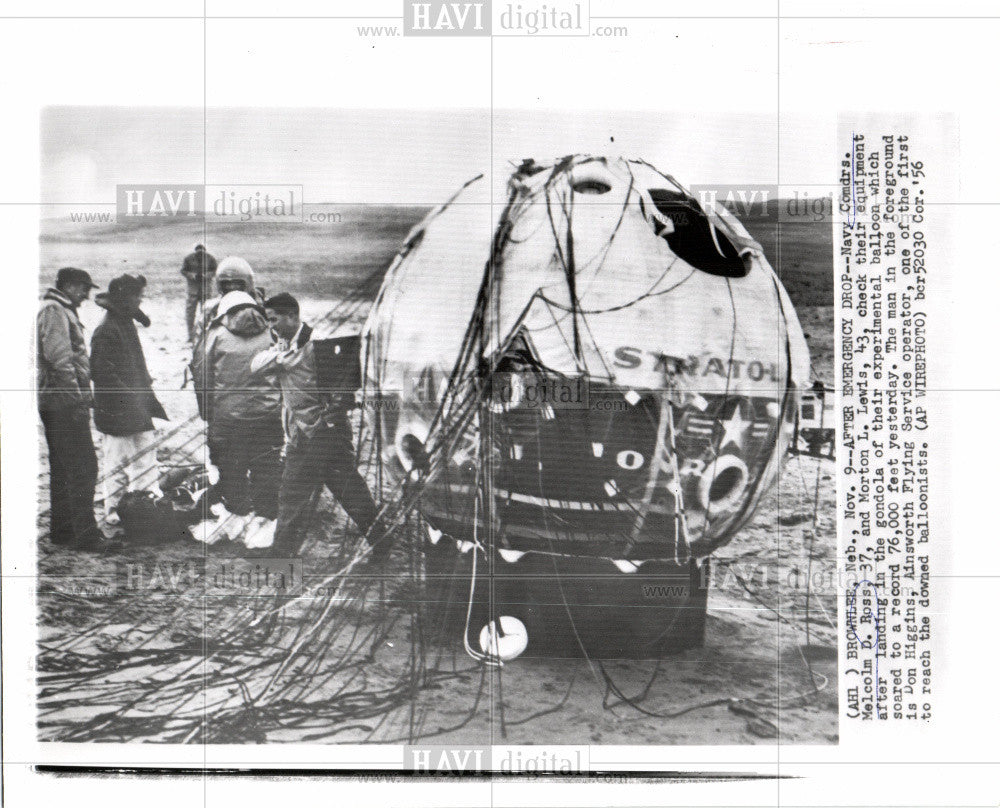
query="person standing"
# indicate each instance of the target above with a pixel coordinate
(319, 448)
(64, 402)
(199, 270)
(124, 402)
(244, 422)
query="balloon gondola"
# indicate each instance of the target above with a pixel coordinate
(589, 386)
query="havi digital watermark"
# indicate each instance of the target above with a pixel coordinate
(217, 203)
(481, 18)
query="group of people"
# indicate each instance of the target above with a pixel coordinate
(112, 379)
(275, 434)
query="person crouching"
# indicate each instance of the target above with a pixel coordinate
(124, 402)
(244, 423)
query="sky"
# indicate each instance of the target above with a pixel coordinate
(392, 156)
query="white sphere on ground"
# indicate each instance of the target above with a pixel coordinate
(506, 644)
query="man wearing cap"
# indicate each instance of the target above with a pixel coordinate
(124, 402)
(244, 422)
(319, 444)
(64, 402)
(199, 269)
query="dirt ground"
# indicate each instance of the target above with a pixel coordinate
(767, 671)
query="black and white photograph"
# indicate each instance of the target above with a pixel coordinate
(493, 404)
(445, 432)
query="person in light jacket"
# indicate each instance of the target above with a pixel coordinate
(64, 402)
(244, 421)
(319, 448)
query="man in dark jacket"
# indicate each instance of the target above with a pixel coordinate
(64, 402)
(124, 402)
(199, 269)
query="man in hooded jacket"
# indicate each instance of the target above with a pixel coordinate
(244, 422)
(124, 402)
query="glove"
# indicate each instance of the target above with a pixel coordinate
(213, 474)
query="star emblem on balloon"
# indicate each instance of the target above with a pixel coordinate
(734, 429)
